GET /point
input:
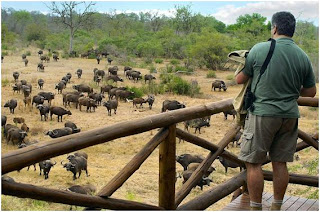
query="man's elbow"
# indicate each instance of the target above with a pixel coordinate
(308, 92)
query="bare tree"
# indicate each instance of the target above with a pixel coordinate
(67, 14)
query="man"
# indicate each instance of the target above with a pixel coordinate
(272, 127)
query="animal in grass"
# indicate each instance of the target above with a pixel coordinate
(69, 76)
(26, 89)
(11, 104)
(98, 59)
(75, 165)
(219, 84)
(236, 139)
(194, 166)
(27, 101)
(23, 145)
(65, 79)
(100, 73)
(26, 61)
(57, 133)
(15, 75)
(73, 126)
(186, 159)
(97, 97)
(40, 83)
(79, 73)
(106, 88)
(37, 100)
(124, 94)
(24, 127)
(16, 136)
(23, 56)
(97, 79)
(136, 76)
(18, 120)
(59, 111)
(2, 57)
(23, 82)
(88, 102)
(113, 91)
(44, 111)
(148, 77)
(71, 97)
(60, 86)
(45, 167)
(88, 189)
(228, 163)
(83, 88)
(202, 182)
(114, 78)
(171, 105)
(40, 52)
(55, 57)
(149, 100)
(3, 120)
(130, 72)
(197, 124)
(229, 112)
(109, 60)
(113, 70)
(40, 67)
(49, 96)
(111, 104)
(7, 127)
(126, 68)
(17, 87)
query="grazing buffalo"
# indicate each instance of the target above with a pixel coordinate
(186, 159)
(114, 78)
(228, 163)
(219, 84)
(232, 112)
(148, 77)
(85, 101)
(40, 83)
(113, 70)
(15, 75)
(106, 88)
(83, 88)
(123, 94)
(12, 104)
(111, 104)
(171, 105)
(49, 96)
(79, 73)
(59, 111)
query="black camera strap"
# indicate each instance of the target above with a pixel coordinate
(266, 62)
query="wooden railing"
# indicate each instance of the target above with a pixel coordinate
(169, 199)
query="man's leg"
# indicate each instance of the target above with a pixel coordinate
(255, 182)
(280, 183)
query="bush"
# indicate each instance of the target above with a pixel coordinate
(153, 69)
(4, 53)
(211, 74)
(138, 92)
(148, 60)
(4, 82)
(92, 56)
(183, 69)
(28, 53)
(174, 62)
(158, 60)
(230, 77)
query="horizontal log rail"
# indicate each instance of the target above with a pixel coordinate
(296, 179)
(59, 196)
(134, 164)
(198, 173)
(20, 158)
(308, 101)
(215, 194)
(207, 145)
(308, 139)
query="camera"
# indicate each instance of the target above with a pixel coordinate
(249, 98)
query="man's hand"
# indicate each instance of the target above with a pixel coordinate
(241, 78)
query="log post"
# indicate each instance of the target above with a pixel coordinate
(204, 200)
(167, 170)
(197, 174)
(308, 139)
(308, 101)
(134, 164)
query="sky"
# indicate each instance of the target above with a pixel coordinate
(225, 11)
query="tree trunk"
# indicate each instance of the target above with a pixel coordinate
(71, 40)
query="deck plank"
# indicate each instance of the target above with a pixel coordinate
(315, 206)
(297, 204)
(307, 205)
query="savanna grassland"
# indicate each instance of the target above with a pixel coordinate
(106, 160)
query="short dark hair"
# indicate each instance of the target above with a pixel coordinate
(285, 23)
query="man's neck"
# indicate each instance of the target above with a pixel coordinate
(276, 36)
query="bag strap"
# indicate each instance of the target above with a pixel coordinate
(267, 60)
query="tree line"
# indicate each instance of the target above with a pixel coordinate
(198, 40)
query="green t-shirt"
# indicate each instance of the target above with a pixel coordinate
(279, 87)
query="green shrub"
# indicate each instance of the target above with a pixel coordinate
(174, 62)
(148, 60)
(211, 74)
(65, 56)
(4, 82)
(152, 69)
(138, 92)
(312, 167)
(92, 56)
(183, 69)
(28, 53)
(230, 77)
(177, 85)
(158, 60)
(4, 53)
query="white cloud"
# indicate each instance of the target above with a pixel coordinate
(302, 10)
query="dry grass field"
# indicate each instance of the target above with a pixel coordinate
(106, 160)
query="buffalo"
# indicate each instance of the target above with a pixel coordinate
(85, 101)
(219, 84)
(75, 165)
(16, 134)
(40, 83)
(15, 75)
(46, 166)
(73, 126)
(232, 112)
(148, 77)
(171, 105)
(228, 163)
(186, 159)
(111, 104)
(49, 96)
(59, 111)
(57, 133)
(79, 73)
(12, 104)
(83, 88)
(37, 100)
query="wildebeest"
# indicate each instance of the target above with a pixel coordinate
(232, 112)
(49, 96)
(60, 86)
(148, 77)
(186, 159)
(83, 88)
(79, 73)
(56, 133)
(16, 134)
(85, 101)
(44, 111)
(219, 84)
(46, 167)
(59, 111)
(111, 104)
(75, 165)
(113, 70)
(106, 88)
(114, 78)
(15, 75)
(37, 100)
(73, 126)
(12, 104)
(228, 163)
(18, 120)
(40, 83)
(171, 105)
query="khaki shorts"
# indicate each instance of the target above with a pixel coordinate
(273, 136)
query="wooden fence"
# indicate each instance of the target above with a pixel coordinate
(169, 199)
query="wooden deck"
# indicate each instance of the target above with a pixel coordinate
(290, 203)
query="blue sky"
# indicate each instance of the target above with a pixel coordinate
(225, 11)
